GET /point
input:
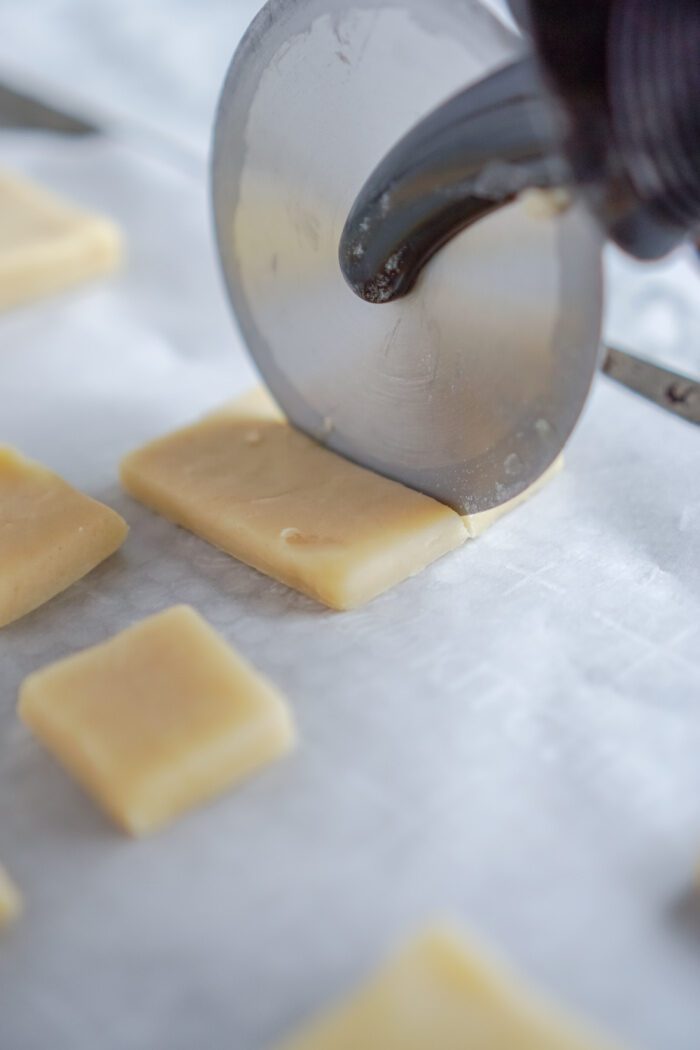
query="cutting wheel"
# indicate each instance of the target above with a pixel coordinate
(468, 388)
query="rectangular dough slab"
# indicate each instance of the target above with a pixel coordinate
(251, 484)
(157, 719)
(440, 994)
(10, 899)
(47, 244)
(50, 534)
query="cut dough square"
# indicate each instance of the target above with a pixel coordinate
(440, 994)
(47, 244)
(476, 524)
(157, 719)
(50, 534)
(248, 482)
(10, 899)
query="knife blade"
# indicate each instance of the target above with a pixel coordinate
(19, 110)
(673, 391)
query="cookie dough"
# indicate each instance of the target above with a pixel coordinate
(251, 484)
(157, 719)
(47, 244)
(10, 899)
(440, 993)
(50, 534)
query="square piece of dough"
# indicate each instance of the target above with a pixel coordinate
(439, 994)
(157, 719)
(50, 534)
(47, 244)
(251, 484)
(10, 899)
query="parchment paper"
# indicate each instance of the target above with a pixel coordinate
(511, 739)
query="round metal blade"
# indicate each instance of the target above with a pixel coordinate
(469, 387)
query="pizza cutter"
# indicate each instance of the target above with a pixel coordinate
(415, 288)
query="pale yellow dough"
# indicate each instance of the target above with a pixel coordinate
(47, 244)
(10, 899)
(249, 483)
(157, 719)
(50, 534)
(439, 993)
(246, 481)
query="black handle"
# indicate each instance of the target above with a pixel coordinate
(611, 102)
(464, 160)
(627, 73)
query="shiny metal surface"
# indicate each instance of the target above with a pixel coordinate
(469, 387)
(673, 391)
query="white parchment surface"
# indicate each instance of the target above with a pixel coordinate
(511, 738)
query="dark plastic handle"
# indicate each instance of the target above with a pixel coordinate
(654, 64)
(467, 158)
(611, 102)
(627, 74)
